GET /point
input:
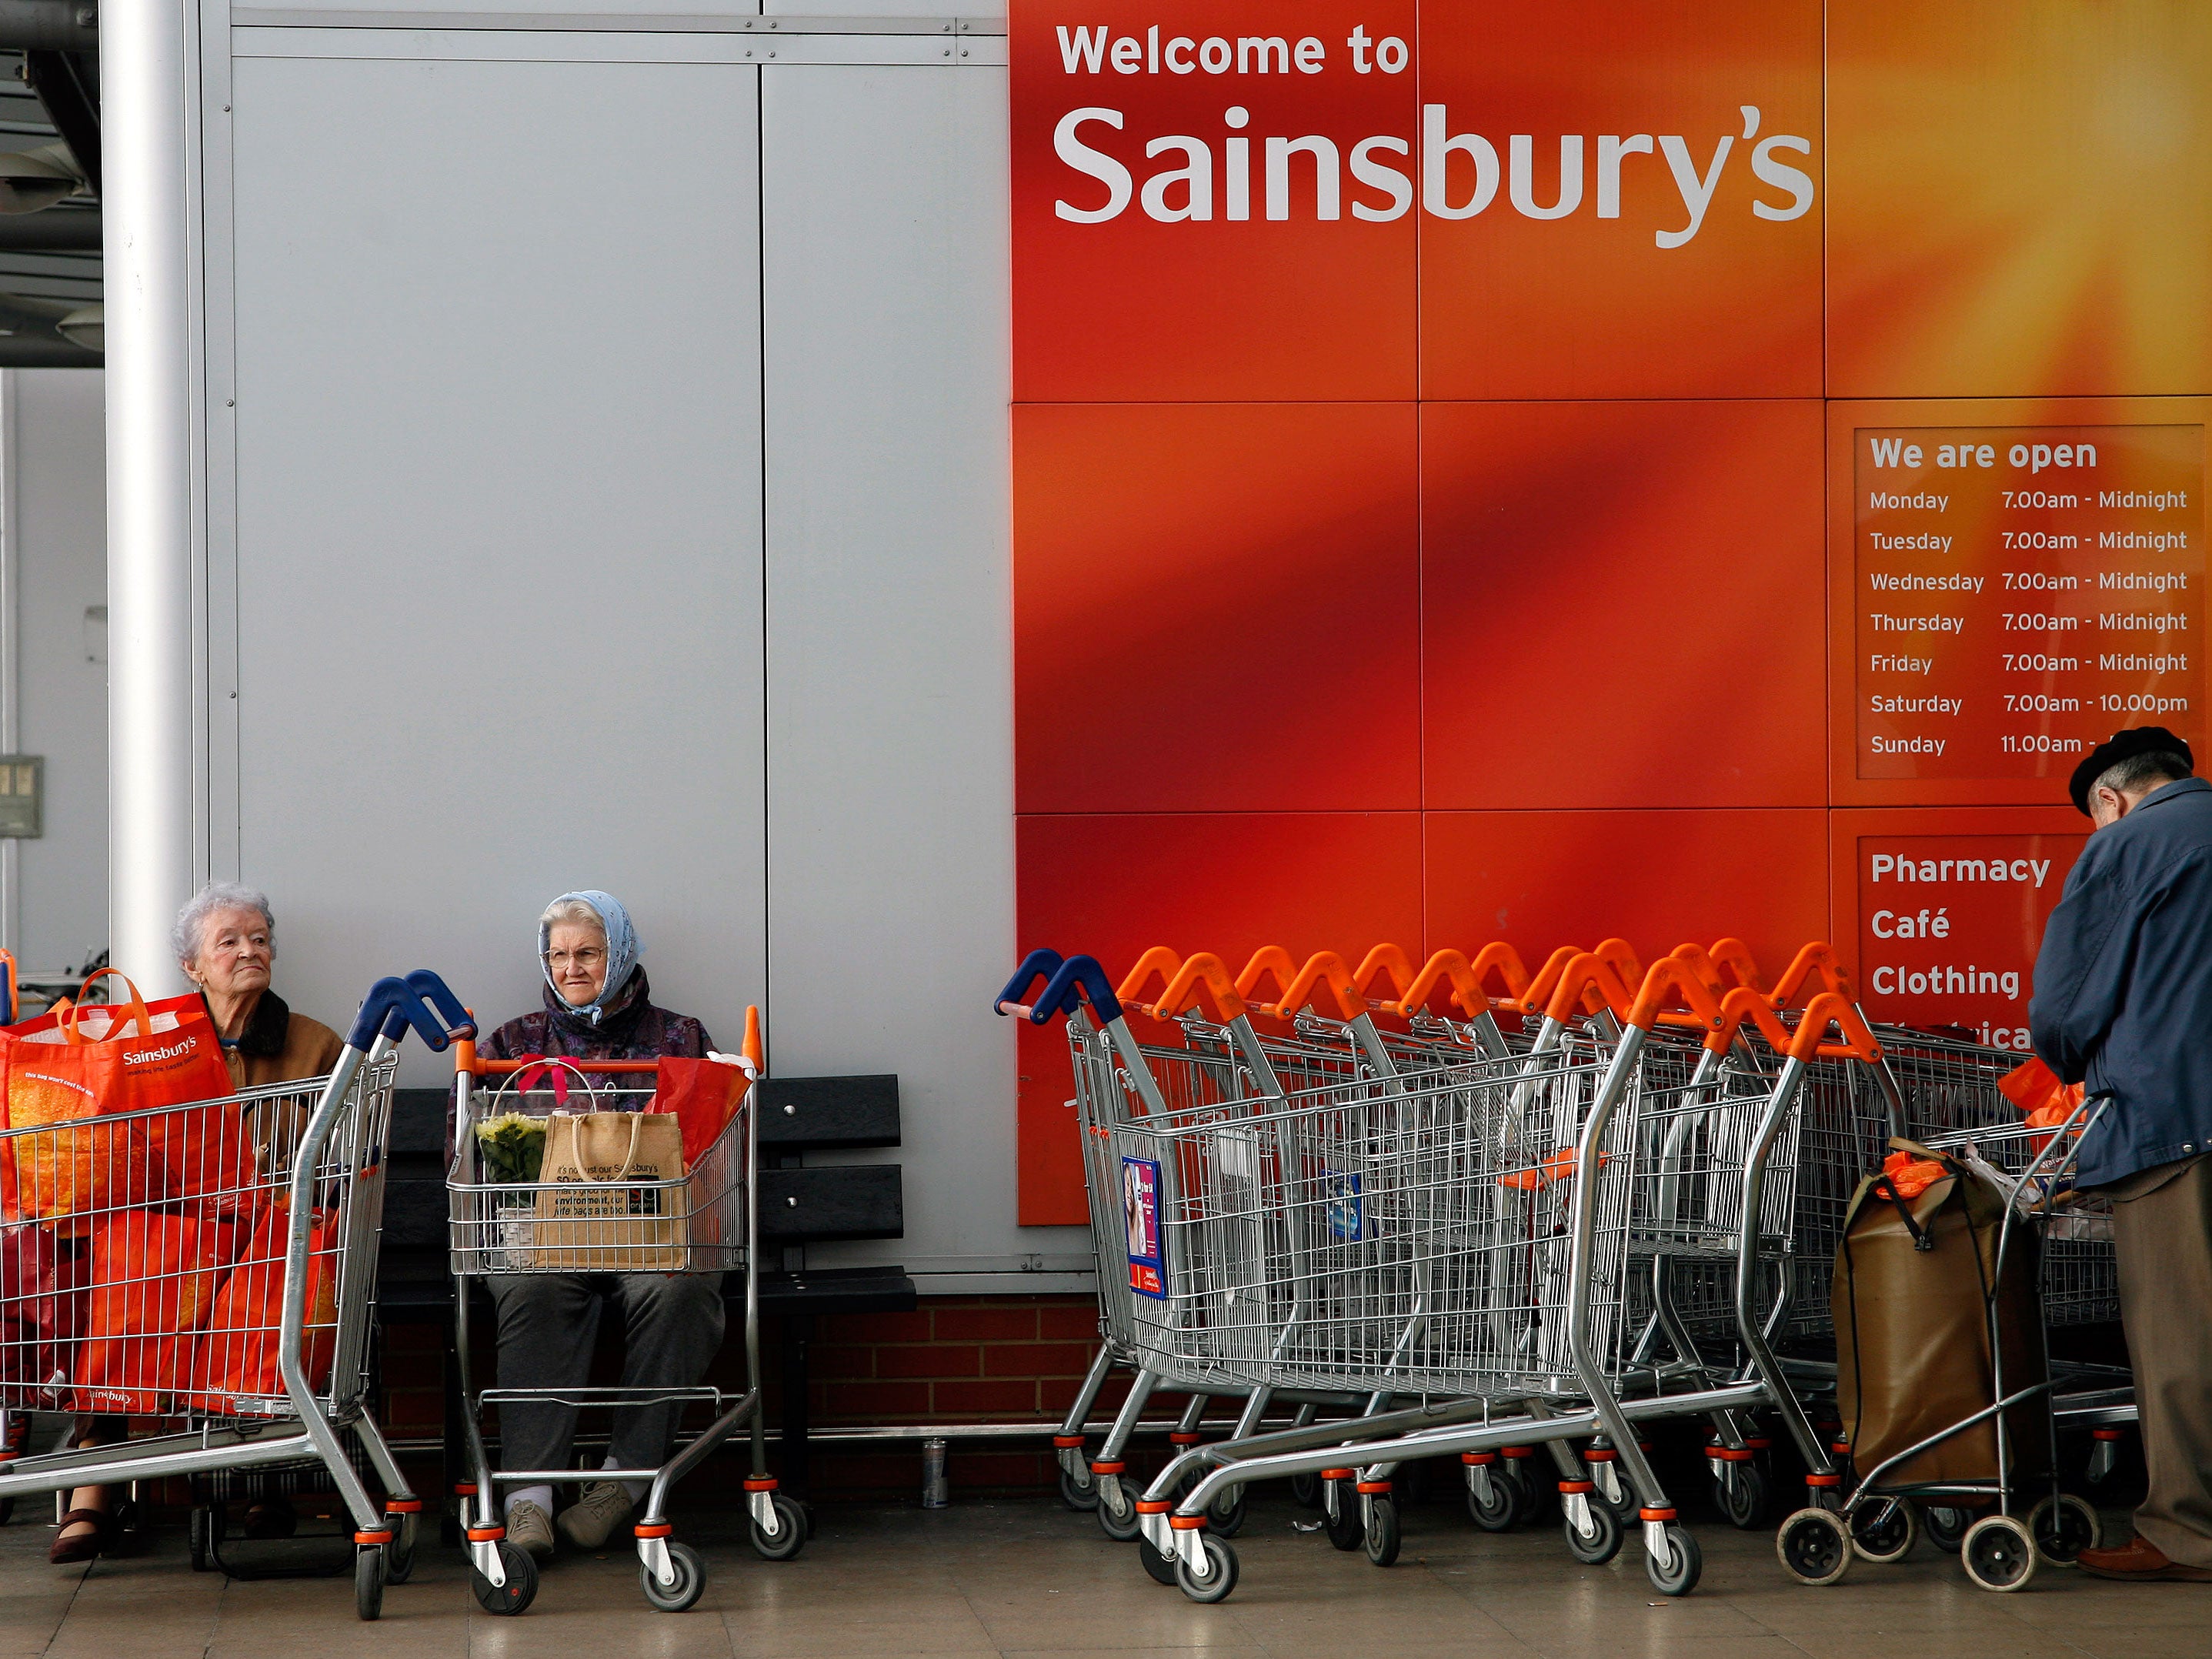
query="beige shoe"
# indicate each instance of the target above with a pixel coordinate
(529, 1528)
(604, 1506)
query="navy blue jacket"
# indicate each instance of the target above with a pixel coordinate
(2124, 983)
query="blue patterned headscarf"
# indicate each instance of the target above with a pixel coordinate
(624, 950)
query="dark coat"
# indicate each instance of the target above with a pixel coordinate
(2124, 983)
(278, 1046)
(631, 1028)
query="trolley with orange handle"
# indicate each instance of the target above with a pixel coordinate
(1609, 1208)
(701, 1221)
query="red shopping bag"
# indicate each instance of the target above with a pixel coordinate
(703, 1094)
(154, 1277)
(237, 1352)
(2042, 1098)
(44, 1287)
(72, 1066)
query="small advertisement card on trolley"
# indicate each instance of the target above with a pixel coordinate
(1140, 1214)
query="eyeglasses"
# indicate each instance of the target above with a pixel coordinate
(588, 957)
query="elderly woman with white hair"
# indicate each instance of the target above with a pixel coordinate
(598, 1005)
(225, 938)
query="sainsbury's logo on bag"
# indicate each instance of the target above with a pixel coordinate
(151, 1056)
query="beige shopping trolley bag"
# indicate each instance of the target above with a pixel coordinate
(605, 1207)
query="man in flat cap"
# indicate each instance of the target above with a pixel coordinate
(2123, 1001)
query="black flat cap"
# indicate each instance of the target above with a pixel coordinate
(2123, 746)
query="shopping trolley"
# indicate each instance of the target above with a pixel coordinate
(699, 1222)
(122, 1295)
(2032, 1167)
(1484, 1271)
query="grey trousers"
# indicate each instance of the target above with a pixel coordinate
(2162, 1232)
(548, 1326)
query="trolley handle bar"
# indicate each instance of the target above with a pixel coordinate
(1069, 984)
(508, 1067)
(1833, 1007)
(392, 1005)
(1817, 959)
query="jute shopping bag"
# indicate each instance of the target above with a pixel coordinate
(594, 1218)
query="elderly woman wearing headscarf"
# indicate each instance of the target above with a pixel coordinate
(598, 1006)
(225, 938)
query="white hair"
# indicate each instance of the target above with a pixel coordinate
(574, 910)
(188, 935)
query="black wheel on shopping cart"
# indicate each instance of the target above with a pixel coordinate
(7, 1509)
(1220, 1571)
(1161, 1567)
(197, 1530)
(1998, 1553)
(1743, 1494)
(789, 1537)
(1383, 1535)
(1079, 1495)
(1945, 1527)
(1883, 1528)
(2063, 1527)
(1597, 1540)
(1305, 1491)
(1225, 1515)
(691, 1581)
(1117, 1513)
(1815, 1547)
(399, 1553)
(1676, 1572)
(1347, 1528)
(1532, 1496)
(519, 1590)
(1493, 1505)
(368, 1580)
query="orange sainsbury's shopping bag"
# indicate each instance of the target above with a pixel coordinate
(81, 1064)
(154, 1276)
(237, 1352)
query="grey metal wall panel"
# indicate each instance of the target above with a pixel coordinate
(499, 530)
(59, 514)
(890, 743)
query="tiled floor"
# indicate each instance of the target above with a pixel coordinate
(1030, 1579)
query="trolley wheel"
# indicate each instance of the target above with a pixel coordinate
(1945, 1527)
(2063, 1527)
(1220, 1572)
(1225, 1515)
(1305, 1491)
(1496, 1515)
(1815, 1547)
(7, 1509)
(368, 1580)
(1676, 1572)
(691, 1580)
(789, 1538)
(520, 1589)
(1884, 1528)
(1162, 1567)
(1998, 1553)
(1346, 1529)
(1537, 1497)
(1602, 1541)
(1743, 1496)
(1078, 1498)
(399, 1553)
(197, 1532)
(1382, 1535)
(1626, 1507)
(1118, 1515)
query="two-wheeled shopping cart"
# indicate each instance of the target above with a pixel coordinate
(214, 1264)
(2025, 1516)
(701, 1222)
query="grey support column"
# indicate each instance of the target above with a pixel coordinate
(148, 83)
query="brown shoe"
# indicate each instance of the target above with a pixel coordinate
(2140, 1562)
(83, 1535)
